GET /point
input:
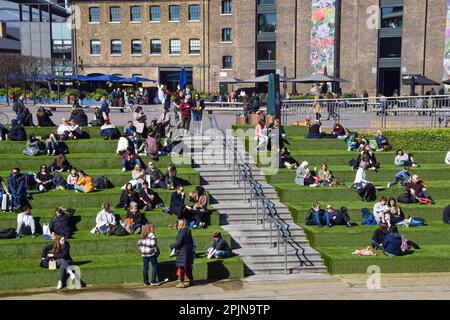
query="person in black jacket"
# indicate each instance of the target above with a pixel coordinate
(79, 116)
(379, 235)
(128, 195)
(43, 179)
(184, 244)
(447, 214)
(60, 224)
(60, 164)
(17, 132)
(149, 199)
(60, 252)
(98, 118)
(17, 188)
(177, 205)
(339, 217)
(43, 117)
(27, 118)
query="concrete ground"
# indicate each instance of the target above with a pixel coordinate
(313, 287)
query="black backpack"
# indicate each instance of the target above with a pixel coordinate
(9, 233)
(102, 183)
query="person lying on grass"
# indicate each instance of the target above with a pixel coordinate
(286, 160)
(84, 183)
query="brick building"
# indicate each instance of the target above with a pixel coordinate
(369, 43)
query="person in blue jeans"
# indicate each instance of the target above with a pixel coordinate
(219, 247)
(148, 247)
(392, 243)
(17, 188)
(402, 176)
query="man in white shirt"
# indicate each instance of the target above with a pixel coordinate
(104, 220)
(447, 158)
(25, 223)
(64, 128)
(380, 209)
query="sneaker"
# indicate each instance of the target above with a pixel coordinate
(146, 284)
(389, 185)
(155, 284)
(124, 169)
(182, 285)
(48, 152)
(17, 236)
(59, 286)
(202, 224)
(54, 152)
(34, 235)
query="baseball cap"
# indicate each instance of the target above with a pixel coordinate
(329, 206)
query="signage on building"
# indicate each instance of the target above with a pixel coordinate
(323, 35)
(223, 74)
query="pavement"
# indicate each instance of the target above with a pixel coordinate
(308, 287)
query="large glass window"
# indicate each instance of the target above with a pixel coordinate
(266, 1)
(96, 47)
(392, 17)
(94, 14)
(226, 35)
(391, 47)
(174, 13)
(267, 50)
(155, 46)
(175, 46)
(194, 46)
(155, 13)
(116, 46)
(136, 46)
(227, 62)
(226, 7)
(114, 14)
(194, 12)
(135, 13)
(267, 22)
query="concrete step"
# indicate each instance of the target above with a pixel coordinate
(245, 207)
(227, 220)
(263, 243)
(257, 269)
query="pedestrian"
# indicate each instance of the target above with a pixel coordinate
(184, 245)
(197, 111)
(317, 106)
(148, 247)
(18, 108)
(104, 109)
(365, 96)
(185, 110)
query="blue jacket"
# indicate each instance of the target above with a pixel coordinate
(381, 141)
(403, 175)
(176, 203)
(392, 243)
(17, 185)
(104, 108)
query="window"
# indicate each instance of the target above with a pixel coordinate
(136, 46)
(175, 46)
(174, 13)
(116, 47)
(94, 14)
(194, 12)
(135, 13)
(96, 47)
(267, 50)
(155, 46)
(226, 35)
(194, 46)
(114, 14)
(267, 22)
(155, 14)
(226, 7)
(391, 47)
(136, 75)
(266, 1)
(227, 62)
(392, 17)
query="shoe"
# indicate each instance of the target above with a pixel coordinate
(48, 153)
(34, 235)
(124, 169)
(389, 185)
(154, 284)
(54, 152)
(182, 285)
(59, 286)
(77, 191)
(202, 224)
(330, 225)
(194, 226)
(17, 236)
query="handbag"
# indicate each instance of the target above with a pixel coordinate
(52, 264)
(105, 116)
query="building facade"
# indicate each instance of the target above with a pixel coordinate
(369, 43)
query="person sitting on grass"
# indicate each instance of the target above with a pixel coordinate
(366, 156)
(104, 220)
(25, 223)
(63, 130)
(339, 131)
(315, 131)
(52, 144)
(326, 177)
(155, 177)
(3, 132)
(127, 196)
(392, 243)
(134, 219)
(60, 164)
(417, 189)
(219, 247)
(447, 158)
(315, 215)
(403, 176)
(149, 199)
(137, 177)
(43, 117)
(379, 235)
(108, 131)
(286, 160)
(17, 188)
(98, 118)
(78, 115)
(72, 177)
(380, 210)
(44, 179)
(171, 177)
(27, 118)
(148, 247)
(395, 214)
(60, 224)
(17, 131)
(382, 142)
(74, 130)
(304, 177)
(130, 133)
(362, 184)
(123, 144)
(338, 217)
(60, 252)
(403, 159)
(176, 205)
(33, 146)
(199, 208)
(84, 183)
(261, 135)
(129, 159)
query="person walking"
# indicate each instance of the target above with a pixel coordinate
(148, 247)
(18, 108)
(197, 113)
(104, 109)
(185, 110)
(365, 97)
(184, 244)
(317, 106)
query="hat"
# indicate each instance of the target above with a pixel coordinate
(329, 206)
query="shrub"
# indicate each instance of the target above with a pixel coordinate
(53, 95)
(2, 92)
(42, 93)
(17, 90)
(71, 92)
(98, 94)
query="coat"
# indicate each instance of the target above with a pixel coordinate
(87, 183)
(63, 253)
(17, 133)
(185, 246)
(61, 226)
(392, 243)
(79, 116)
(300, 176)
(44, 120)
(17, 185)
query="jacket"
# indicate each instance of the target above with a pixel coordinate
(79, 116)
(17, 185)
(154, 174)
(185, 246)
(60, 225)
(126, 199)
(104, 108)
(392, 243)
(103, 218)
(122, 145)
(63, 253)
(361, 177)
(17, 133)
(138, 218)
(148, 246)
(44, 119)
(18, 106)
(176, 203)
(185, 109)
(87, 183)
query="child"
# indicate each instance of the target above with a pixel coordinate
(402, 176)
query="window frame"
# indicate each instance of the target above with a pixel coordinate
(131, 14)
(116, 54)
(100, 45)
(90, 16)
(223, 63)
(111, 15)
(160, 47)
(140, 46)
(170, 13)
(171, 47)
(150, 14)
(199, 13)
(222, 8)
(192, 53)
(222, 39)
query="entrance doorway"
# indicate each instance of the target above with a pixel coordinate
(389, 81)
(170, 77)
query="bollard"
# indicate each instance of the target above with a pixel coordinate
(285, 257)
(270, 234)
(257, 211)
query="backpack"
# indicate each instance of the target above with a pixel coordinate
(405, 198)
(118, 230)
(9, 233)
(30, 181)
(5, 202)
(368, 218)
(102, 183)
(425, 201)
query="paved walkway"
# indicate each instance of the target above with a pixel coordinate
(344, 287)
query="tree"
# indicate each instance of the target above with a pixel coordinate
(9, 70)
(32, 67)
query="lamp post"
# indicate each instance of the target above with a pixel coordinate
(269, 52)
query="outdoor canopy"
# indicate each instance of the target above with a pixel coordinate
(264, 78)
(136, 80)
(230, 80)
(105, 77)
(317, 78)
(414, 80)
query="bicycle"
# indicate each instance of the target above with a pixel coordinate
(4, 119)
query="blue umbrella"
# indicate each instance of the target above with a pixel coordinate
(76, 77)
(183, 78)
(105, 78)
(136, 80)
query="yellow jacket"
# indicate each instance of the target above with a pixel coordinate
(87, 183)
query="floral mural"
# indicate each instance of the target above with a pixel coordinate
(447, 46)
(323, 21)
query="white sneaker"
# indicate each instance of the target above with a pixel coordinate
(389, 185)
(72, 276)
(59, 286)
(123, 169)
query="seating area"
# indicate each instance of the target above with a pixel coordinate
(103, 260)
(336, 244)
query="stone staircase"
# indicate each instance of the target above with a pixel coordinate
(239, 217)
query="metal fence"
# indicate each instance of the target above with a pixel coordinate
(380, 112)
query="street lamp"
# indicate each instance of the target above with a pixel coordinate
(269, 52)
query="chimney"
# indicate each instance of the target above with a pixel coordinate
(2, 29)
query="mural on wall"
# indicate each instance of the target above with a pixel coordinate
(447, 46)
(323, 29)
